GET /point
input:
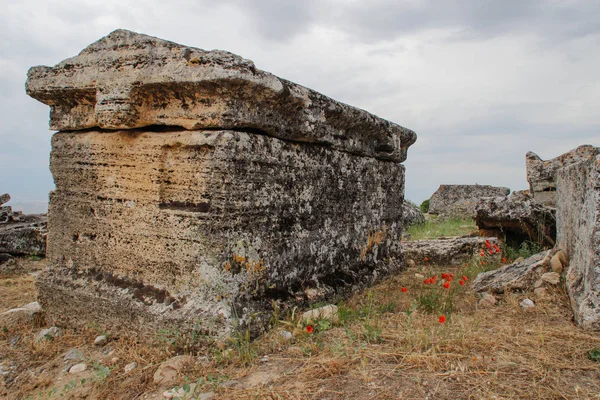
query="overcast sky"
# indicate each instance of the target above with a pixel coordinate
(481, 81)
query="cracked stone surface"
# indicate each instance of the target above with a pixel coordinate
(578, 234)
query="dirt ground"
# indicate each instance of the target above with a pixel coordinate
(385, 346)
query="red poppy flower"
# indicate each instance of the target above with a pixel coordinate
(483, 263)
(404, 290)
(464, 278)
(487, 244)
(442, 319)
(503, 259)
(482, 254)
(447, 285)
(426, 259)
(462, 283)
(309, 329)
(426, 281)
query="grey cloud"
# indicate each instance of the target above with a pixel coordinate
(387, 19)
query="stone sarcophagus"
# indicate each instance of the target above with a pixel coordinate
(195, 191)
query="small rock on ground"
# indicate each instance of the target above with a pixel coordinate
(101, 340)
(286, 335)
(77, 368)
(48, 333)
(487, 301)
(328, 312)
(168, 371)
(527, 303)
(74, 355)
(130, 367)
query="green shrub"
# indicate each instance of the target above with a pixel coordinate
(425, 206)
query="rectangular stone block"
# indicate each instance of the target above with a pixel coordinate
(578, 234)
(187, 229)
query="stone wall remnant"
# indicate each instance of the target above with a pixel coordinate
(578, 231)
(21, 234)
(459, 201)
(541, 174)
(195, 190)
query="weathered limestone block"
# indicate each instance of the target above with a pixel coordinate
(459, 201)
(578, 226)
(541, 174)
(518, 217)
(196, 227)
(5, 198)
(25, 235)
(451, 251)
(518, 276)
(128, 80)
(411, 214)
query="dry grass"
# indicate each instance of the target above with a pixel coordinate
(17, 289)
(384, 348)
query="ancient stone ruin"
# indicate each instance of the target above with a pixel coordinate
(194, 191)
(21, 234)
(575, 190)
(578, 231)
(541, 174)
(459, 201)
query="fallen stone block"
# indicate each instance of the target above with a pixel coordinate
(451, 251)
(25, 237)
(459, 201)
(541, 174)
(578, 234)
(17, 316)
(212, 191)
(518, 276)
(518, 217)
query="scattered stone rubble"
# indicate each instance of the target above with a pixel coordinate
(450, 251)
(459, 201)
(21, 234)
(517, 218)
(192, 186)
(541, 174)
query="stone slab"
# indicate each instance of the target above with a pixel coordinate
(129, 80)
